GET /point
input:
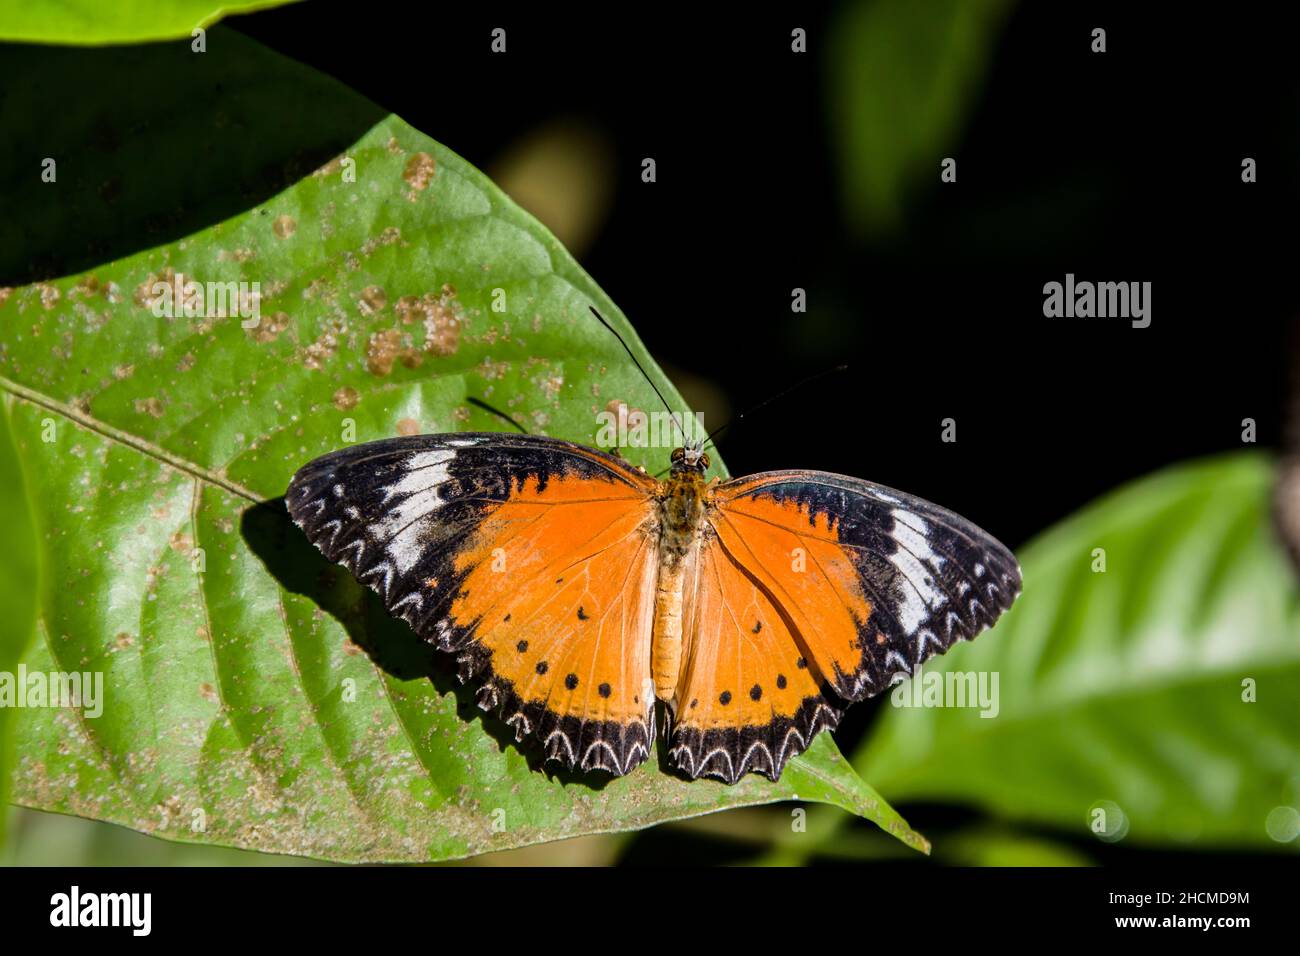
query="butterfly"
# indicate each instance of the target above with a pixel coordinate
(575, 590)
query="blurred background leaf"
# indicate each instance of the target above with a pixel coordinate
(902, 79)
(1161, 690)
(563, 173)
(19, 590)
(90, 22)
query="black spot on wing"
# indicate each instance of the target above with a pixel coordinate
(570, 741)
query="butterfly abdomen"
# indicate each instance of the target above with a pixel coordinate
(666, 643)
(681, 509)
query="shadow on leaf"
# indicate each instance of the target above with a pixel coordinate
(152, 143)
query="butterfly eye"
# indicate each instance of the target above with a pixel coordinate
(678, 454)
(704, 460)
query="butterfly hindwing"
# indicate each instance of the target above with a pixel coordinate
(747, 699)
(528, 558)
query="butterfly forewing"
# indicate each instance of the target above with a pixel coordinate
(530, 559)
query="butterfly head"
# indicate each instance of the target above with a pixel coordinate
(690, 458)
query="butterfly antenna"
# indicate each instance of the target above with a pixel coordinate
(768, 401)
(671, 414)
(479, 403)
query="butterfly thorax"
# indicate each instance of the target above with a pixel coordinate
(681, 507)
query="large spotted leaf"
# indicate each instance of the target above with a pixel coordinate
(393, 284)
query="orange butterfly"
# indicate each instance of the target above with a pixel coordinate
(577, 590)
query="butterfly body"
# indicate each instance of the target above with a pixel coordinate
(575, 590)
(682, 500)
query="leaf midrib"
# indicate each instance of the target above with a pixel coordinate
(124, 438)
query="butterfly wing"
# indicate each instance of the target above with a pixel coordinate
(812, 590)
(529, 558)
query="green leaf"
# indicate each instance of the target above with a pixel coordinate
(120, 21)
(228, 644)
(902, 77)
(19, 586)
(1124, 690)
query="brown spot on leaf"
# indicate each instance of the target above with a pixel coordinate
(268, 327)
(408, 427)
(373, 298)
(419, 170)
(388, 237)
(145, 294)
(382, 351)
(440, 316)
(346, 398)
(323, 349)
(284, 227)
(149, 406)
(408, 308)
(330, 168)
(493, 370)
